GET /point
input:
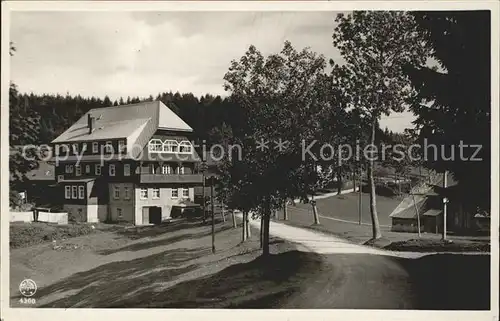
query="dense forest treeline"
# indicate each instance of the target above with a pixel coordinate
(52, 114)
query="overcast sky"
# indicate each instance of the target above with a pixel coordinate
(142, 53)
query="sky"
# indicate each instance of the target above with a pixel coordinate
(142, 53)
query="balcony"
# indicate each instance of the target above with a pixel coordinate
(172, 178)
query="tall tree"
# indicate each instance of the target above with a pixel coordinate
(457, 108)
(283, 99)
(375, 46)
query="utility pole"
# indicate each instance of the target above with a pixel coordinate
(360, 199)
(203, 204)
(445, 201)
(213, 212)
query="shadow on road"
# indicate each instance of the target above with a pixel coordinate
(104, 285)
(292, 279)
(261, 283)
(176, 237)
(450, 282)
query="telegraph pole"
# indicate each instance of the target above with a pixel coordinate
(203, 201)
(360, 199)
(445, 201)
(203, 204)
(213, 212)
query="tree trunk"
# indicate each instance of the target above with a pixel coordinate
(213, 214)
(248, 229)
(204, 203)
(339, 181)
(315, 211)
(244, 228)
(265, 245)
(233, 216)
(223, 212)
(373, 201)
(261, 231)
(353, 179)
(416, 211)
(285, 211)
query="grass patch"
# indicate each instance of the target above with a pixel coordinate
(433, 245)
(27, 234)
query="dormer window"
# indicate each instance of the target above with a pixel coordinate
(64, 149)
(109, 147)
(185, 147)
(84, 147)
(170, 146)
(122, 147)
(95, 147)
(155, 146)
(75, 148)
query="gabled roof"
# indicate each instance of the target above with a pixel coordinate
(44, 172)
(123, 122)
(409, 212)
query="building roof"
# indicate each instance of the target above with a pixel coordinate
(123, 122)
(136, 123)
(78, 180)
(409, 211)
(44, 172)
(433, 212)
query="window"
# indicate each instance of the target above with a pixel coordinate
(78, 170)
(155, 146)
(95, 147)
(185, 192)
(116, 192)
(75, 148)
(144, 193)
(69, 169)
(112, 170)
(109, 147)
(84, 147)
(66, 169)
(180, 170)
(121, 146)
(126, 193)
(64, 149)
(81, 192)
(166, 169)
(126, 169)
(170, 146)
(74, 192)
(175, 193)
(156, 193)
(152, 169)
(67, 192)
(98, 169)
(119, 213)
(185, 147)
(87, 169)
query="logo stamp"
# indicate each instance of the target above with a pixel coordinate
(27, 287)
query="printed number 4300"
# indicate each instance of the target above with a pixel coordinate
(27, 300)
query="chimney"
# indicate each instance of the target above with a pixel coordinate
(91, 123)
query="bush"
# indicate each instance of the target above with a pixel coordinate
(26, 234)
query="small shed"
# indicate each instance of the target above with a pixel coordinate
(433, 221)
(405, 219)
